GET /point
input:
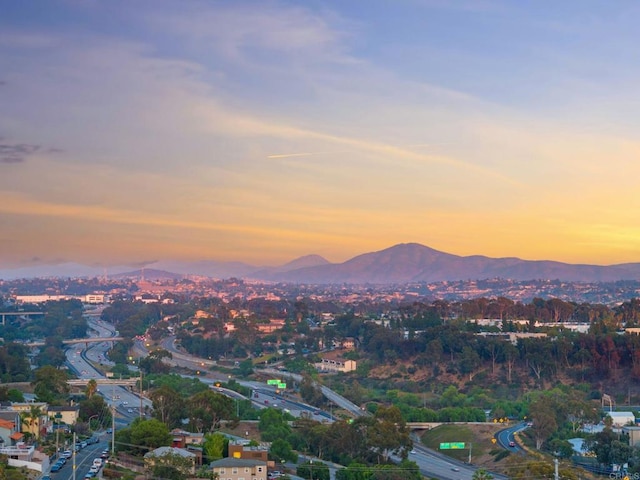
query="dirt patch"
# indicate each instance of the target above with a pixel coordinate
(246, 429)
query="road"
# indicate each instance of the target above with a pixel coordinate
(83, 460)
(506, 437)
(431, 463)
(127, 404)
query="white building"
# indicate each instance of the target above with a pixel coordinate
(620, 419)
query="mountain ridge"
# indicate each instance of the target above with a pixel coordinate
(401, 263)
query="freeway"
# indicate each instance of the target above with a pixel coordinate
(123, 400)
(431, 463)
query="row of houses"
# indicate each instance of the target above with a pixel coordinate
(19, 420)
(244, 461)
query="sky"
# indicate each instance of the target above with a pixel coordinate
(134, 132)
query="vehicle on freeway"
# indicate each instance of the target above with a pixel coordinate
(512, 444)
(455, 469)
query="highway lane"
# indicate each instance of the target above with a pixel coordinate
(506, 438)
(432, 464)
(127, 404)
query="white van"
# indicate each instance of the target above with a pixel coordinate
(97, 462)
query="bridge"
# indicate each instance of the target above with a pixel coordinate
(81, 382)
(3, 315)
(80, 340)
(430, 425)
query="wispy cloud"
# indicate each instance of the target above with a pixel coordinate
(17, 152)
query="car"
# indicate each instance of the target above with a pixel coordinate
(512, 444)
(412, 451)
(89, 475)
(129, 410)
(109, 430)
(97, 462)
(55, 467)
(45, 477)
(455, 469)
(67, 454)
(94, 469)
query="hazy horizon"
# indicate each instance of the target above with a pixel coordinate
(133, 132)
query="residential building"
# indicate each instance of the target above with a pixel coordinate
(63, 415)
(239, 469)
(248, 452)
(333, 362)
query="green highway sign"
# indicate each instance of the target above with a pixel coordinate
(273, 382)
(282, 385)
(452, 446)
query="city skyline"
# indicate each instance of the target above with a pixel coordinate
(134, 132)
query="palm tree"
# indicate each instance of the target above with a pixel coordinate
(482, 474)
(92, 388)
(31, 419)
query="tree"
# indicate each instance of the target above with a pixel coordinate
(544, 419)
(482, 474)
(389, 433)
(97, 408)
(172, 466)
(354, 471)
(50, 385)
(153, 363)
(273, 425)
(144, 435)
(313, 471)
(281, 450)
(168, 405)
(214, 446)
(92, 388)
(206, 410)
(31, 419)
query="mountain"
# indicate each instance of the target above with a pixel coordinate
(61, 270)
(148, 274)
(308, 261)
(403, 263)
(207, 268)
(412, 262)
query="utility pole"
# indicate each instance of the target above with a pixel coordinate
(113, 420)
(470, 448)
(555, 473)
(141, 407)
(73, 469)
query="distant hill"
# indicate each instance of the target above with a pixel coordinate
(148, 274)
(403, 263)
(412, 262)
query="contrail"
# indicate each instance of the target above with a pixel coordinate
(308, 154)
(287, 155)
